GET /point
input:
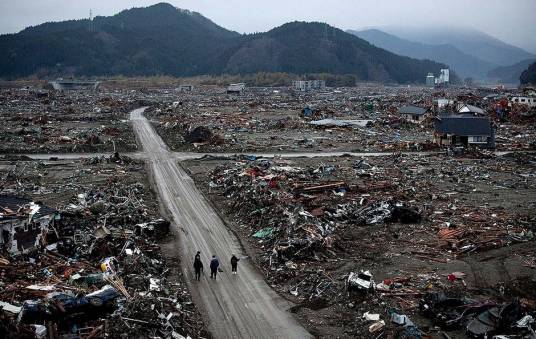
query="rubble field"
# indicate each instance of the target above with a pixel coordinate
(402, 246)
(431, 242)
(361, 119)
(100, 270)
(42, 121)
(207, 119)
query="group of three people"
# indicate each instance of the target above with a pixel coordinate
(214, 265)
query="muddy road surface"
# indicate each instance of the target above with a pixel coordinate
(237, 306)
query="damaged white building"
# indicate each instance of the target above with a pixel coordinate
(23, 223)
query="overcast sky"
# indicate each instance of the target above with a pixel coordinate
(511, 21)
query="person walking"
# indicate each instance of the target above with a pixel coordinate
(234, 263)
(198, 266)
(214, 264)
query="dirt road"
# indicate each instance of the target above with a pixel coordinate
(238, 306)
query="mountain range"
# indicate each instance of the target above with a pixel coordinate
(468, 40)
(469, 52)
(510, 74)
(162, 39)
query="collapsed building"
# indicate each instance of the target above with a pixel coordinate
(24, 223)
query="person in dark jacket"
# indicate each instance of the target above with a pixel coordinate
(198, 267)
(234, 263)
(214, 264)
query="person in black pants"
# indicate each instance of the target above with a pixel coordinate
(234, 263)
(214, 264)
(198, 267)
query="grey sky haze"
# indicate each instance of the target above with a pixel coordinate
(511, 21)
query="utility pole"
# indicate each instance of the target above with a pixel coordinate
(90, 19)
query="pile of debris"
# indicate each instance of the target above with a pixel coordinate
(357, 243)
(300, 213)
(92, 267)
(41, 121)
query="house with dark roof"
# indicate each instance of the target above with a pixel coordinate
(464, 130)
(23, 223)
(412, 113)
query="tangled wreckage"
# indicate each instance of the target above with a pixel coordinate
(23, 223)
(91, 268)
(428, 240)
(378, 238)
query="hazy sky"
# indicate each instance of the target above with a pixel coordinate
(513, 21)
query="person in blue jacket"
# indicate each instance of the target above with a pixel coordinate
(214, 264)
